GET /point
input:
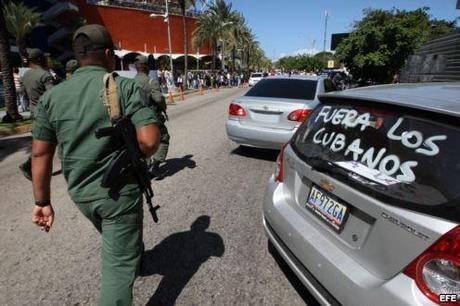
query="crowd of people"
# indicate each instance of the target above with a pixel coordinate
(205, 78)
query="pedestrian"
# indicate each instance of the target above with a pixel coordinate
(395, 78)
(35, 81)
(155, 100)
(180, 81)
(70, 68)
(67, 117)
(50, 67)
(20, 98)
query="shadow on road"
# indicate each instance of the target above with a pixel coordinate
(256, 153)
(178, 257)
(306, 296)
(174, 165)
(11, 145)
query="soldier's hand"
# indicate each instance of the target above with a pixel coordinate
(43, 217)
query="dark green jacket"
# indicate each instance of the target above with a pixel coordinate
(70, 113)
(36, 81)
(151, 90)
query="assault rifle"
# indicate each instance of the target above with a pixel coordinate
(128, 156)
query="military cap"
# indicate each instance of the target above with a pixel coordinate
(34, 53)
(141, 59)
(71, 65)
(98, 38)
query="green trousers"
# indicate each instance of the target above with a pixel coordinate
(160, 155)
(120, 224)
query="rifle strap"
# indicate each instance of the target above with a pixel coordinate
(110, 96)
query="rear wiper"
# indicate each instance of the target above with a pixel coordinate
(328, 167)
(325, 166)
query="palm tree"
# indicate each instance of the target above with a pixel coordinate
(225, 20)
(206, 34)
(216, 25)
(9, 91)
(20, 20)
(246, 42)
(238, 36)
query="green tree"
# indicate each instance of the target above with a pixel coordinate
(257, 59)
(381, 42)
(324, 57)
(20, 20)
(238, 36)
(300, 62)
(9, 91)
(248, 42)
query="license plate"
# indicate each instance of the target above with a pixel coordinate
(327, 208)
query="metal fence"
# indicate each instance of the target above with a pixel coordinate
(437, 60)
(145, 6)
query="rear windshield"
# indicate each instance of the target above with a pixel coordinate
(403, 158)
(284, 88)
(256, 75)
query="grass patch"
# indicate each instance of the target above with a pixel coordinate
(12, 125)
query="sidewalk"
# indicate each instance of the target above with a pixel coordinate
(192, 94)
(20, 127)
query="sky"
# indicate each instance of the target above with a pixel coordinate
(291, 27)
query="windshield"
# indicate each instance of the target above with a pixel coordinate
(402, 159)
(256, 75)
(284, 88)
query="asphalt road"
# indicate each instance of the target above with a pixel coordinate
(211, 183)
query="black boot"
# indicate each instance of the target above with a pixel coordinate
(26, 169)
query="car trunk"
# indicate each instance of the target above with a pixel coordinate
(269, 112)
(391, 217)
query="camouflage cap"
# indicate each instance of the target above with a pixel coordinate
(98, 36)
(34, 53)
(141, 59)
(71, 65)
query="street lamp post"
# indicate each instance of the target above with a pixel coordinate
(166, 19)
(223, 24)
(222, 66)
(326, 14)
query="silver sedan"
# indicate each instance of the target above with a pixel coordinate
(364, 202)
(270, 113)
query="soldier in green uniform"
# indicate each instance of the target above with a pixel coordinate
(67, 117)
(70, 68)
(155, 99)
(36, 81)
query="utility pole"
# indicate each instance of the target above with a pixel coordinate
(166, 20)
(325, 34)
(169, 40)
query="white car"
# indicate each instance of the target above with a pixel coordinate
(254, 78)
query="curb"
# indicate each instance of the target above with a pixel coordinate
(27, 128)
(177, 95)
(16, 130)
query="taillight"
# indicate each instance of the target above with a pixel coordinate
(236, 110)
(437, 270)
(279, 170)
(299, 115)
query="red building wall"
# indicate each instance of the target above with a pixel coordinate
(136, 31)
